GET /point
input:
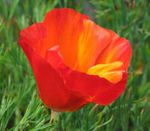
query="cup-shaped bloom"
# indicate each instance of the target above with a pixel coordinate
(75, 61)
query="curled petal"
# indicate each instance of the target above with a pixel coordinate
(51, 87)
(95, 89)
(111, 71)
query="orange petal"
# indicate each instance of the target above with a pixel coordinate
(109, 71)
(93, 40)
(119, 49)
(64, 27)
(98, 45)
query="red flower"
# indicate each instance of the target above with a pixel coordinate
(75, 61)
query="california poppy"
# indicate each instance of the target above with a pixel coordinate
(75, 61)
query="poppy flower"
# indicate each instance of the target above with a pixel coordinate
(75, 61)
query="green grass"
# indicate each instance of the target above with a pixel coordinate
(20, 106)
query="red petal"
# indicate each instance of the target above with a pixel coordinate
(35, 35)
(96, 89)
(93, 88)
(52, 89)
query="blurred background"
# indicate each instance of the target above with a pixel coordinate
(20, 107)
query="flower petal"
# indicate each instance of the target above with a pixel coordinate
(111, 71)
(51, 87)
(35, 35)
(119, 49)
(93, 88)
(92, 41)
(96, 89)
(64, 27)
(98, 45)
